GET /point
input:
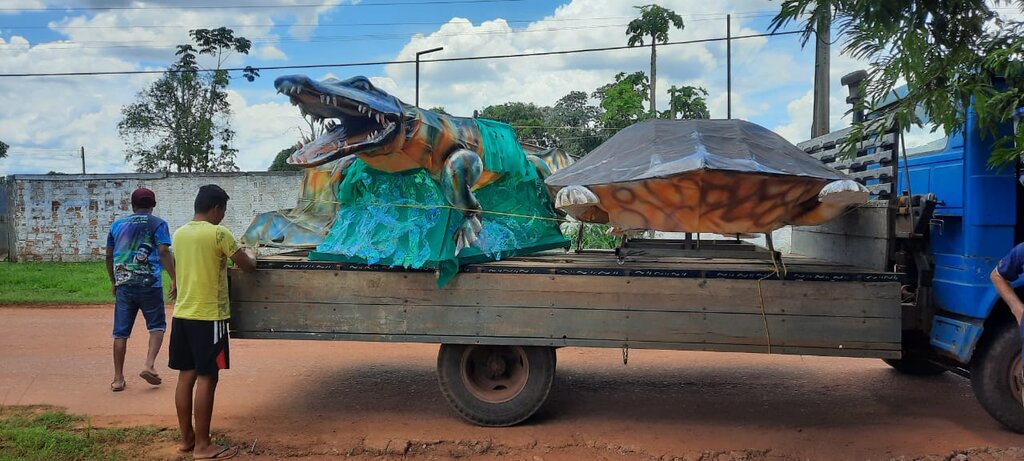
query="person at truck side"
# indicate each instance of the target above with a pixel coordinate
(134, 270)
(199, 333)
(1006, 272)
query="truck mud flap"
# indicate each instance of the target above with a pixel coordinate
(956, 337)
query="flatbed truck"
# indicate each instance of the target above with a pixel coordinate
(904, 279)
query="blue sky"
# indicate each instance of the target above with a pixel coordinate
(47, 119)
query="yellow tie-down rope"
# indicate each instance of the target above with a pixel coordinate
(780, 273)
(450, 207)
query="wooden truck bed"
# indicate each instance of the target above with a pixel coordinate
(585, 299)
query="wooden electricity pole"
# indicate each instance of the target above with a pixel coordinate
(819, 123)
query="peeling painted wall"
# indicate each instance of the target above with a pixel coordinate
(67, 217)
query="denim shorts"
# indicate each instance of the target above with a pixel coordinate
(131, 299)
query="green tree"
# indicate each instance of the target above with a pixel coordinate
(687, 102)
(623, 100)
(578, 123)
(528, 119)
(3, 149)
(281, 161)
(439, 110)
(654, 22)
(947, 53)
(182, 122)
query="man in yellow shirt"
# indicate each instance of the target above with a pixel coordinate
(199, 333)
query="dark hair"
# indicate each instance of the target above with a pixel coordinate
(210, 196)
(143, 203)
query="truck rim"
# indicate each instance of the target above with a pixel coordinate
(1017, 379)
(495, 374)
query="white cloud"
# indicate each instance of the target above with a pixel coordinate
(464, 86)
(47, 119)
(310, 16)
(271, 53)
(262, 130)
(153, 35)
(11, 7)
(799, 126)
(59, 115)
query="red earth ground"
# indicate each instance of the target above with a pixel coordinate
(329, 400)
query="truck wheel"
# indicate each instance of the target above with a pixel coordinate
(996, 378)
(915, 366)
(495, 385)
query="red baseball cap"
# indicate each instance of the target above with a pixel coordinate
(143, 198)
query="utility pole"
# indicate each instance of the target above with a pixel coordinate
(418, 54)
(819, 122)
(83, 159)
(728, 66)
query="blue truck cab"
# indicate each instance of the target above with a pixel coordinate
(946, 219)
(974, 224)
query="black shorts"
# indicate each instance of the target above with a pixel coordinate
(200, 345)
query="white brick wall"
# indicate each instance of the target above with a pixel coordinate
(67, 217)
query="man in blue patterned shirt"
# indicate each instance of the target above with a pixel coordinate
(138, 247)
(1006, 272)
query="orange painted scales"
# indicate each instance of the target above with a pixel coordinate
(718, 176)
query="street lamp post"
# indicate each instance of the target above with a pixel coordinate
(418, 54)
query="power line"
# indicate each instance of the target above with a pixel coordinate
(700, 17)
(314, 39)
(78, 45)
(297, 24)
(252, 7)
(565, 127)
(406, 61)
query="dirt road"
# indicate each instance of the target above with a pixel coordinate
(331, 399)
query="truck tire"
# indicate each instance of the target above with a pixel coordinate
(495, 386)
(996, 377)
(915, 366)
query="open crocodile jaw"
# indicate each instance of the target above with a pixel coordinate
(358, 127)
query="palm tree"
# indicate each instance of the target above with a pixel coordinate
(3, 149)
(654, 22)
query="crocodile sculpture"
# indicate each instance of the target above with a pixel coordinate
(367, 123)
(392, 184)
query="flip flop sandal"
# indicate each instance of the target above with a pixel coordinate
(227, 452)
(114, 388)
(150, 377)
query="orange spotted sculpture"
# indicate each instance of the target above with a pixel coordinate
(718, 176)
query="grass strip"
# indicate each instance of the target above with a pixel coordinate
(43, 433)
(56, 283)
